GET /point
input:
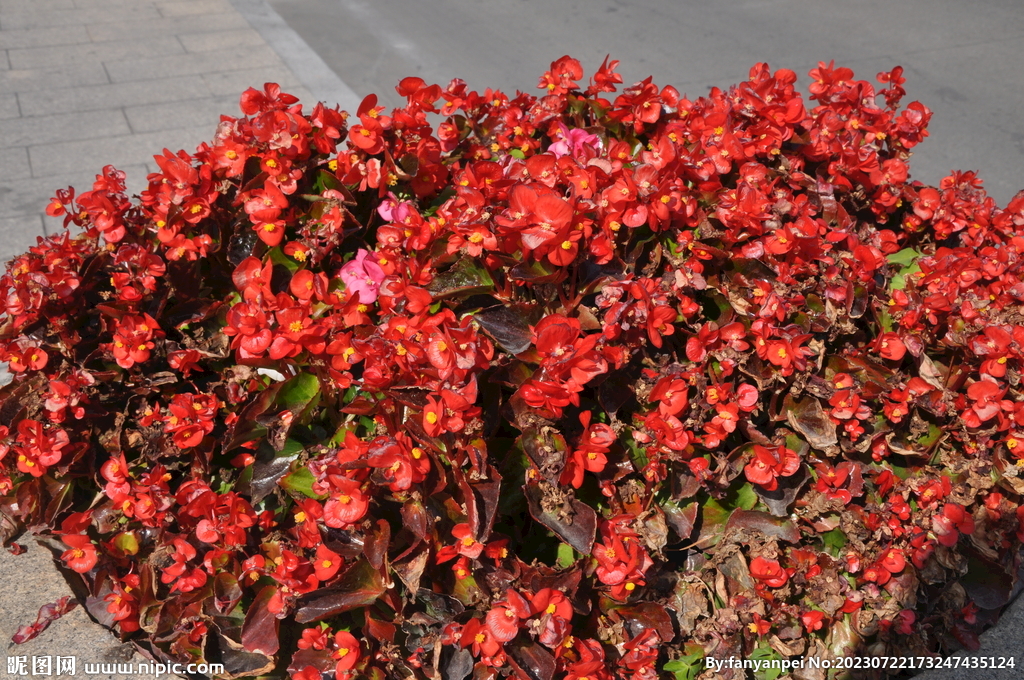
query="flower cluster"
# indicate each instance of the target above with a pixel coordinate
(584, 385)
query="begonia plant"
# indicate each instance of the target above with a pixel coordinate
(591, 385)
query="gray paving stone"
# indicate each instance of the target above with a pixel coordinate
(71, 635)
(174, 115)
(41, 37)
(17, 234)
(67, 75)
(93, 154)
(89, 98)
(189, 7)
(192, 64)
(25, 5)
(31, 196)
(63, 127)
(125, 49)
(5, 61)
(110, 5)
(237, 82)
(122, 26)
(9, 106)
(14, 162)
(74, 17)
(210, 41)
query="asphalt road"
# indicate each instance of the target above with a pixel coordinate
(962, 59)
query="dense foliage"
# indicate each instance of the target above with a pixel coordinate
(589, 385)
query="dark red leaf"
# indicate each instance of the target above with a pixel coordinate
(360, 586)
(375, 543)
(260, 630)
(537, 662)
(509, 328)
(48, 613)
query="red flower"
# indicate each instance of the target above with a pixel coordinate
(671, 393)
(505, 618)
(951, 522)
(759, 626)
(478, 637)
(812, 620)
(768, 464)
(770, 572)
(347, 505)
(890, 346)
(346, 651)
(314, 638)
(81, 556)
(327, 563)
(465, 543)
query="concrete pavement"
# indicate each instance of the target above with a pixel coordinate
(84, 83)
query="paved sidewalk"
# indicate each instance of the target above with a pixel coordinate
(86, 83)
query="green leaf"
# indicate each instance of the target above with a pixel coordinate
(518, 153)
(277, 256)
(885, 319)
(904, 257)
(297, 392)
(764, 653)
(127, 543)
(637, 453)
(687, 667)
(835, 541)
(746, 497)
(907, 261)
(566, 556)
(299, 481)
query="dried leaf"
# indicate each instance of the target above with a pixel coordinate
(456, 663)
(987, 582)
(238, 662)
(48, 613)
(375, 543)
(647, 615)
(226, 592)
(807, 417)
(575, 524)
(410, 571)
(681, 518)
(753, 520)
(931, 373)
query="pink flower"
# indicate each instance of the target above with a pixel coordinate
(573, 141)
(362, 277)
(394, 210)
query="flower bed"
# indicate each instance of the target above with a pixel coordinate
(591, 385)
